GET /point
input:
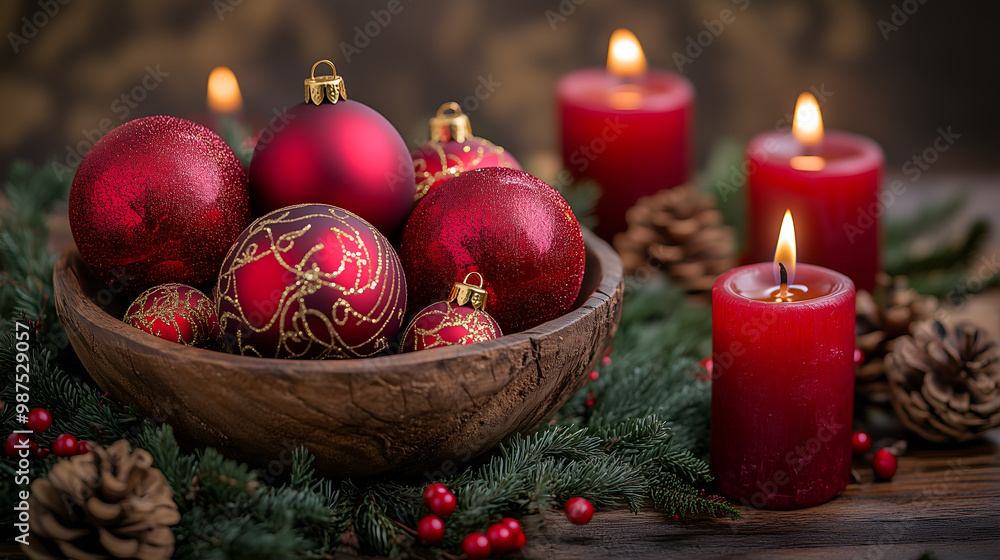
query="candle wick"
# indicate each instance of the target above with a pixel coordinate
(784, 281)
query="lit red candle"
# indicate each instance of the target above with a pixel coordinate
(783, 380)
(830, 181)
(626, 127)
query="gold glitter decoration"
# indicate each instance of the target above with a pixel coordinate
(439, 323)
(175, 312)
(446, 161)
(311, 281)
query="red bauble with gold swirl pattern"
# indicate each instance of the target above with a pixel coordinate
(311, 281)
(461, 319)
(176, 313)
(453, 149)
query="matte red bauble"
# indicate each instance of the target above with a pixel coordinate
(333, 151)
(311, 281)
(511, 227)
(459, 320)
(177, 313)
(158, 199)
(453, 149)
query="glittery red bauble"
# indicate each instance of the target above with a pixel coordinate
(158, 199)
(311, 281)
(344, 154)
(448, 324)
(436, 162)
(511, 227)
(177, 313)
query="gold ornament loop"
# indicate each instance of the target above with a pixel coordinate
(450, 124)
(330, 88)
(464, 293)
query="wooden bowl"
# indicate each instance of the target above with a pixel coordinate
(420, 412)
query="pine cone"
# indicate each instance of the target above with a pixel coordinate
(945, 381)
(882, 318)
(680, 232)
(107, 503)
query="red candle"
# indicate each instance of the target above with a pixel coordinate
(783, 381)
(627, 128)
(830, 182)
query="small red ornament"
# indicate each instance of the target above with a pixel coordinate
(453, 149)
(333, 151)
(859, 356)
(579, 511)
(84, 447)
(65, 446)
(459, 320)
(501, 538)
(515, 528)
(176, 313)
(476, 545)
(861, 442)
(158, 199)
(430, 529)
(15, 443)
(43, 452)
(39, 420)
(433, 489)
(442, 504)
(311, 281)
(509, 226)
(594, 375)
(884, 464)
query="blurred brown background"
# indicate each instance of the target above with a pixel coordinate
(937, 68)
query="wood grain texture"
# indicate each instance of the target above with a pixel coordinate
(402, 413)
(943, 499)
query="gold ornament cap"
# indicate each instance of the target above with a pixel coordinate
(464, 293)
(328, 88)
(450, 124)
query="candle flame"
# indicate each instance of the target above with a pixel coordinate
(785, 251)
(807, 124)
(224, 91)
(625, 56)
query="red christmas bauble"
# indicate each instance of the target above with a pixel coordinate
(460, 320)
(453, 149)
(511, 227)
(158, 199)
(176, 313)
(331, 150)
(311, 281)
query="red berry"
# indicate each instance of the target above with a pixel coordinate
(859, 356)
(432, 490)
(579, 511)
(516, 531)
(430, 529)
(501, 538)
(39, 420)
(84, 447)
(594, 375)
(884, 464)
(65, 446)
(442, 504)
(862, 442)
(476, 545)
(606, 361)
(16, 442)
(707, 364)
(589, 402)
(43, 452)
